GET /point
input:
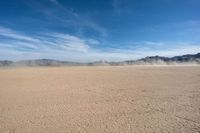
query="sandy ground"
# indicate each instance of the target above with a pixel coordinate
(100, 100)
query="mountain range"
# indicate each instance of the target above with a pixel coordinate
(149, 60)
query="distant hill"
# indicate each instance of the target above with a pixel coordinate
(149, 60)
(44, 62)
(184, 59)
(6, 63)
(187, 58)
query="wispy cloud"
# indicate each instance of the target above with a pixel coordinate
(67, 42)
(132, 53)
(15, 45)
(50, 41)
(6, 32)
(96, 27)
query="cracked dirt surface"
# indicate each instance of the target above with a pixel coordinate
(100, 100)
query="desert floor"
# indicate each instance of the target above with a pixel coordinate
(123, 99)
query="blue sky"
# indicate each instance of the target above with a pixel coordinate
(79, 30)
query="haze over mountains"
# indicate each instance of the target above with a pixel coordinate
(149, 60)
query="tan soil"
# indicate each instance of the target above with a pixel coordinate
(100, 100)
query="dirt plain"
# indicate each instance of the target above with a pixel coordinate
(123, 99)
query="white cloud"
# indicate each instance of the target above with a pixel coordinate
(68, 42)
(93, 41)
(45, 42)
(17, 46)
(143, 51)
(6, 32)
